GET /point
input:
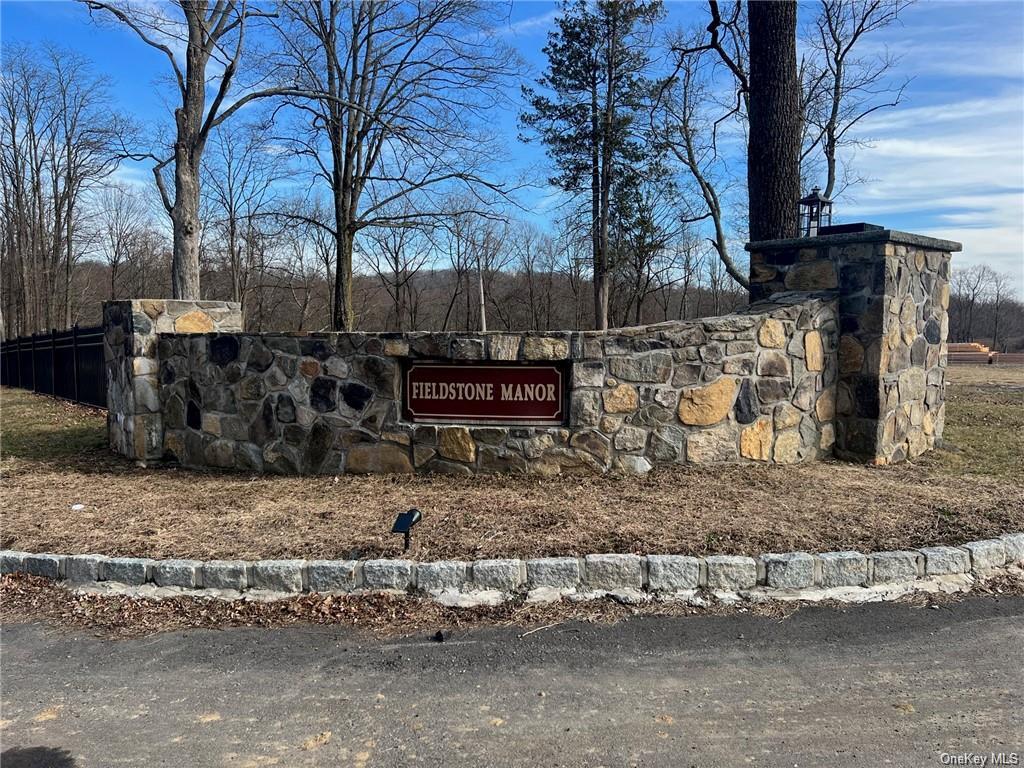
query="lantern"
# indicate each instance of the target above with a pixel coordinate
(815, 213)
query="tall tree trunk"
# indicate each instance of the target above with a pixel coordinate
(773, 149)
(187, 230)
(600, 279)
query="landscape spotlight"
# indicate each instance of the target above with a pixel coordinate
(404, 523)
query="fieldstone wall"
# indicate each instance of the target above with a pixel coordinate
(758, 385)
(842, 351)
(134, 418)
(893, 297)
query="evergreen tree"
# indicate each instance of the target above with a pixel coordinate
(586, 109)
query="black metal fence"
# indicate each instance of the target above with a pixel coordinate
(66, 364)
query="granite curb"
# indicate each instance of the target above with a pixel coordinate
(640, 577)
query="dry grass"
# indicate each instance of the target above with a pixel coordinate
(53, 458)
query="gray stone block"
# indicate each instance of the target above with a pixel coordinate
(11, 561)
(789, 570)
(558, 572)
(843, 569)
(1014, 544)
(985, 555)
(731, 572)
(225, 574)
(82, 569)
(334, 575)
(614, 571)
(444, 574)
(278, 575)
(48, 566)
(504, 575)
(894, 566)
(187, 574)
(672, 573)
(389, 574)
(127, 570)
(940, 561)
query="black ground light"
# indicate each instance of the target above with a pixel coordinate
(404, 523)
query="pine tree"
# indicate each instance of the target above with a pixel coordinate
(585, 111)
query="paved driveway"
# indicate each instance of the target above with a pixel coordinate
(866, 686)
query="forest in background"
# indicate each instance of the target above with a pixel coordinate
(439, 240)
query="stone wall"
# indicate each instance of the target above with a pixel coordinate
(842, 351)
(134, 419)
(893, 297)
(753, 386)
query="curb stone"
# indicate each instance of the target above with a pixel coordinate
(848, 575)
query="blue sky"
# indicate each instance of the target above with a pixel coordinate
(948, 162)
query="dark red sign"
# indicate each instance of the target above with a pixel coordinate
(514, 393)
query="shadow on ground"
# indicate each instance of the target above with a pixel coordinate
(36, 757)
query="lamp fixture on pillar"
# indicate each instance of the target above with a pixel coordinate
(815, 213)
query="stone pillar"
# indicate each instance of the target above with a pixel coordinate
(893, 297)
(131, 328)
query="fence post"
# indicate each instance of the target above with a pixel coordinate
(53, 362)
(34, 362)
(74, 358)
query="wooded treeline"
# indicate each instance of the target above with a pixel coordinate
(335, 164)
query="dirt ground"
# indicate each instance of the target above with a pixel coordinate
(54, 457)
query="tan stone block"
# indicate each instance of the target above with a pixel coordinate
(756, 440)
(611, 424)
(928, 423)
(211, 424)
(504, 347)
(545, 348)
(787, 446)
(825, 408)
(812, 276)
(908, 310)
(772, 333)
(828, 437)
(919, 260)
(944, 296)
(786, 416)
(456, 443)
(814, 354)
(153, 308)
(402, 438)
(396, 347)
(762, 273)
(701, 406)
(621, 399)
(851, 354)
(707, 446)
(373, 457)
(195, 321)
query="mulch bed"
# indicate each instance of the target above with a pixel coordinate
(55, 458)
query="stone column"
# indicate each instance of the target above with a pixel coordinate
(893, 297)
(131, 328)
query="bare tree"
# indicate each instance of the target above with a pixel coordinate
(213, 35)
(396, 255)
(842, 87)
(1001, 292)
(240, 171)
(969, 288)
(121, 219)
(58, 138)
(399, 93)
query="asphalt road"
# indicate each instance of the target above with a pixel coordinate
(871, 685)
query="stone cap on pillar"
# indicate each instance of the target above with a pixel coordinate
(870, 233)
